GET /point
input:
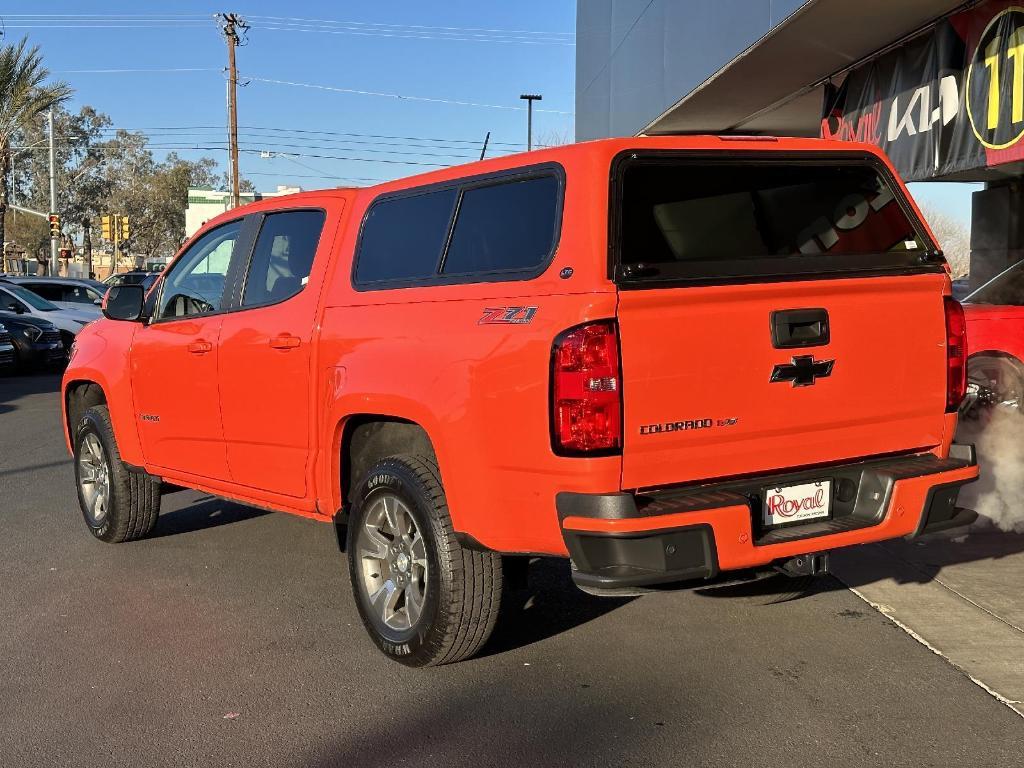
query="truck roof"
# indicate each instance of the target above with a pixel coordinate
(600, 147)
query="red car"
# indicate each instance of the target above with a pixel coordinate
(995, 341)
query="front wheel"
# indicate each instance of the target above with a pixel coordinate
(423, 598)
(118, 504)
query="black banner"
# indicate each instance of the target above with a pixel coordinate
(950, 101)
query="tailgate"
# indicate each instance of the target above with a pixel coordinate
(776, 311)
(697, 365)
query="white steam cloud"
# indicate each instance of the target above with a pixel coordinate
(999, 494)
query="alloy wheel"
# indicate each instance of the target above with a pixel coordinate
(392, 563)
(94, 478)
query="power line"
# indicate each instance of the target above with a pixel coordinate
(106, 26)
(444, 32)
(120, 71)
(402, 97)
(208, 148)
(412, 35)
(313, 176)
(413, 26)
(277, 139)
(306, 131)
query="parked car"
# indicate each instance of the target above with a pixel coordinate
(679, 380)
(66, 292)
(133, 277)
(37, 342)
(961, 287)
(6, 350)
(20, 300)
(995, 340)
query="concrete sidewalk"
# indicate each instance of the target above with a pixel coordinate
(961, 593)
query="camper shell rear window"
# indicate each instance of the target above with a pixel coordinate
(758, 216)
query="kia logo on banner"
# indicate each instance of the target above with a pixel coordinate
(947, 101)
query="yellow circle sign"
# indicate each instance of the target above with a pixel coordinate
(995, 81)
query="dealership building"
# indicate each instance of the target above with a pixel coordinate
(938, 85)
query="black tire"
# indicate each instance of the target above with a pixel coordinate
(462, 592)
(67, 339)
(133, 497)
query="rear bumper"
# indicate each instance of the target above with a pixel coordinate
(628, 540)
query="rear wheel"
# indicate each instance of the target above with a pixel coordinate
(994, 384)
(117, 504)
(423, 598)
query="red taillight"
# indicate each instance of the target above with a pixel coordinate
(586, 407)
(956, 354)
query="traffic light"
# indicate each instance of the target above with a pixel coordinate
(105, 228)
(54, 225)
(125, 232)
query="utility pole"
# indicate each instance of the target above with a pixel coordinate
(230, 24)
(529, 98)
(53, 196)
(87, 245)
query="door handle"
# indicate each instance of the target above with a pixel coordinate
(795, 328)
(285, 341)
(200, 347)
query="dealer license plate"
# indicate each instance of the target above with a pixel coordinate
(797, 503)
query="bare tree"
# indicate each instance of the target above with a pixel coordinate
(554, 138)
(954, 236)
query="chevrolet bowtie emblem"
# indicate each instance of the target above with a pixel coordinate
(802, 371)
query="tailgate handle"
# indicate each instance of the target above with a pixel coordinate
(794, 328)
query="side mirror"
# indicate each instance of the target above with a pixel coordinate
(124, 302)
(16, 308)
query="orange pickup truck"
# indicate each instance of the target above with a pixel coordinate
(671, 359)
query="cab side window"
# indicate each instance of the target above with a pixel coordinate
(78, 294)
(48, 291)
(283, 257)
(505, 227)
(195, 285)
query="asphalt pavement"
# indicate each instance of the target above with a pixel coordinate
(229, 638)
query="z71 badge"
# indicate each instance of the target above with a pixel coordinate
(507, 315)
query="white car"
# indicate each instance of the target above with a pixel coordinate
(66, 292)
(20, 300)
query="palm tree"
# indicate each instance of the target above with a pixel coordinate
(23, 96)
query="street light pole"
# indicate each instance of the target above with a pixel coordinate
(53, 196)
(529, 98)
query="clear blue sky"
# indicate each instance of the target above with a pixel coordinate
(952, 198)
(485, 53)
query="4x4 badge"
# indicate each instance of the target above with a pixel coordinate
(802, 371)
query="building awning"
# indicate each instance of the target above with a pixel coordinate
(771, 87)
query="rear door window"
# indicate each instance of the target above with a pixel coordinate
(283, 256)
(403, 237)
(709, 219)
(49, 291)
(504, 227)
